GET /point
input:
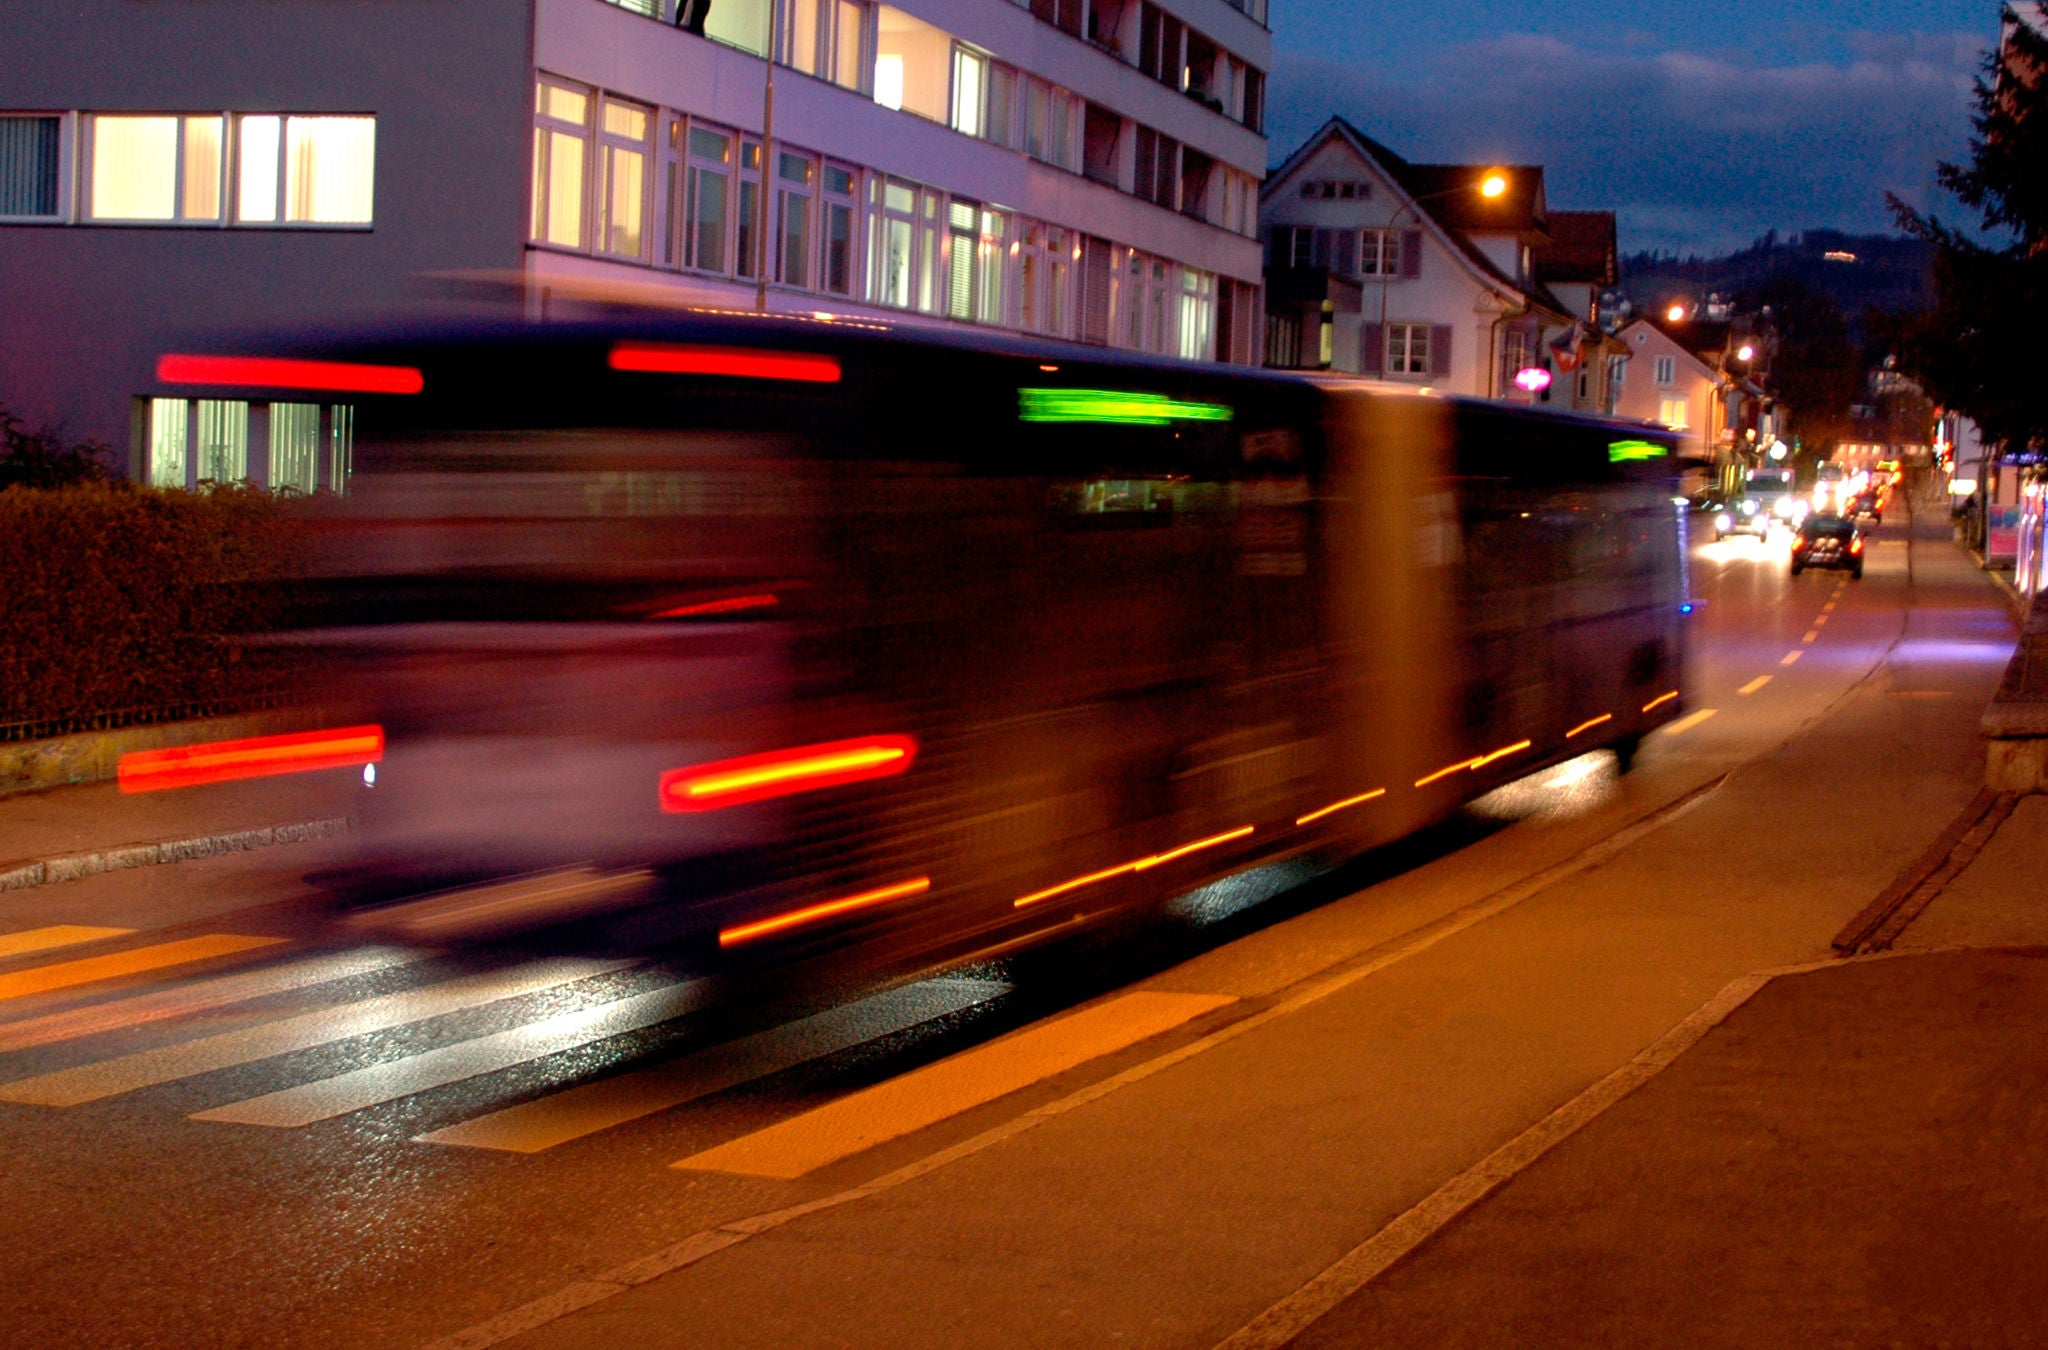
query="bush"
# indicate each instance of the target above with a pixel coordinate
(45, 459)
(126, 605)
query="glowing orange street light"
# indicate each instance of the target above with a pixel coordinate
(1494, 186)
(1676, 314)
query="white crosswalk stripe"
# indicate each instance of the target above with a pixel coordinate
(387, 1082)
(148, 1068)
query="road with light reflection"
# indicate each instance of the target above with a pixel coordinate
(219, 1134)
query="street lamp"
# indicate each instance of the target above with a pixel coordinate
(1492, 187)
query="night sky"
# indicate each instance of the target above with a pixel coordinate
(1702, 123)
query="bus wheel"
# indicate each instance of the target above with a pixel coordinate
(1625, 753)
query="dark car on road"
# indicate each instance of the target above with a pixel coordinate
(1828, 540)
(1869, 502)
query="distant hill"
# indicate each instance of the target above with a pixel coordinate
(1856, 271)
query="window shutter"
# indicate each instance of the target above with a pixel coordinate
(1411, 254)
(1439, 350)
(1372, 349)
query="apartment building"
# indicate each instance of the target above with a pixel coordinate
(1083, 169)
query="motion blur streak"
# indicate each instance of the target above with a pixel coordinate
(1660, 701)
(1141, 865)
(271, 372)
(663, 358)
(256, 757)
(1517, 748)
(732, 606)
(1442, 774)
(753, 778)
(1334, 807)
(746, 932)
(1114, 407)
(1588, 725)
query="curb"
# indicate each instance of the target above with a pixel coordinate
(72, 866)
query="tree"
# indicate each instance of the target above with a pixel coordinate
(1816, 370)
(45, 459)
(1977, 352)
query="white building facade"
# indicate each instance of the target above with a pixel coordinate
(1081, 169)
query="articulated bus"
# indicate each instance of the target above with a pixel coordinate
(783, 636)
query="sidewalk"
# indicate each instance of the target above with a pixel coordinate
(1857, 1156)
(97, 822)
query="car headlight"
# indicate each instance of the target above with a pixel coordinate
(1723, 521)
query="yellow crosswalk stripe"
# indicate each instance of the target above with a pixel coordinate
(91, 969)
(901, 1106)
(536, 1126)
(58, 935)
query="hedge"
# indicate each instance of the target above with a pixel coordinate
(122, 605)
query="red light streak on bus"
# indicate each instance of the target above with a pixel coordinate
(671, 358)
(274, 372)
(780, 773)
(255, 757)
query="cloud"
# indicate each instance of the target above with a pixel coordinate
(1695, 151)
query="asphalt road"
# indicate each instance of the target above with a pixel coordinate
(219, 1135)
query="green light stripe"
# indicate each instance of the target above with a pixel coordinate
(1625, 452)
(1108, 405)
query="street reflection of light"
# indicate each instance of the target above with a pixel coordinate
(1574, 772)
(1660, 701)
(753, 778)
(732, 606)
(796, 918)
(1140, 865)
(1334, 807)
(254, 757)
(678, 358)
(270, 372)
(1587, 726)
(1571, 791)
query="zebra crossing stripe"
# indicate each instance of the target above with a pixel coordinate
(376, 1084)
(536, 1126)
(92, 969)
(229, 1049)
(57, 935)
(200, 997)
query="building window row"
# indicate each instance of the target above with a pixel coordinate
(288, 447)
(1367, 254)
(659, 188)
(906, 64)
(264, 170)
(1148, 37)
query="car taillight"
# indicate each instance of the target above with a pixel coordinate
(1799, 543)
(1855, 545)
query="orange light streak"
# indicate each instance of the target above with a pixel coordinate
(1517, 748)
(255, 757)
(1442, 774)
(1334, 807)
(796, 918)
(1141, 865)
(753, 778)
(1588, 726)
(1659, 702)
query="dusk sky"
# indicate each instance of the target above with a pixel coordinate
(1702, 124)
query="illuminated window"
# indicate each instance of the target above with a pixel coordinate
(29, 160)
(341, 446)
(709, 204)
(893, 230)
(305, 170)
(1408, 349)
(837, 219)
(913, 64)
(970, 91)
(825, 39)
(222, 450)
(169, 433)
(1198, 315)
(156, 168)
(737, 23)
(560, 140)
(622, 158)
(294, 447)
(795, 175)
(1674, 412)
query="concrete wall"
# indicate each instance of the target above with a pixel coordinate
(85, 309)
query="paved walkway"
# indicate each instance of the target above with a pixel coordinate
(36, 825)
(1858, 1156)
